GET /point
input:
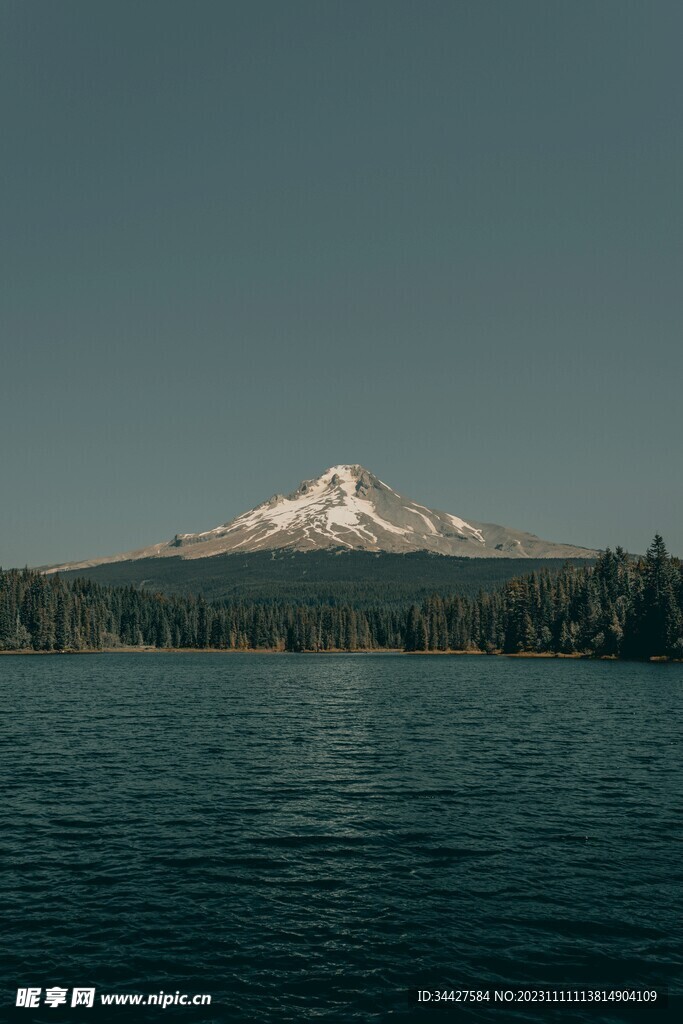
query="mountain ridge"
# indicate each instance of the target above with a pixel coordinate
(348, 507)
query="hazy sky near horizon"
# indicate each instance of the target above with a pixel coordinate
(244, 241)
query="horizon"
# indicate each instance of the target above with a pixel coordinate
(243, 240)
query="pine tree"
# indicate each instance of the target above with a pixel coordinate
(656, 623)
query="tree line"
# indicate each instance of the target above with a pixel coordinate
(621, 606)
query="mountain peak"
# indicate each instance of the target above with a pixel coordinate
(347, 477)
(352, 469)
(348, 507)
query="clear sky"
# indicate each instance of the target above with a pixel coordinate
(244, 241)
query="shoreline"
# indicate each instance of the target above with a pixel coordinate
(335, 651)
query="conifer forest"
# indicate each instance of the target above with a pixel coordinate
(620, 606)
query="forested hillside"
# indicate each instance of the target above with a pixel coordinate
(618, 607)
(360, 578)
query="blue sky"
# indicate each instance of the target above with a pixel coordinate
(245, 241)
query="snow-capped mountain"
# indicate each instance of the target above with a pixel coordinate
(350, 508)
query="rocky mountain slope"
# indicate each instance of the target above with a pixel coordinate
(350, 508)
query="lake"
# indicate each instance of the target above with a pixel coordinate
(307, 837)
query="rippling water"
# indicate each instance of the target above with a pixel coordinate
(306, 837)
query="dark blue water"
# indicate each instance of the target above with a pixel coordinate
(307, 837)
